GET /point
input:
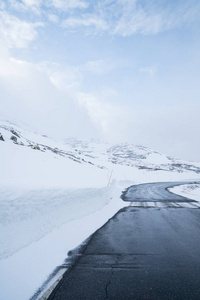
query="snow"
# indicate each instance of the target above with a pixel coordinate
(40, 211)
(28, 268)
(21, 166)
(157, 158)
(191, 191)
(55, 194)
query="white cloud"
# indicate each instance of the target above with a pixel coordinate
(16, 33)
(53, 18)
(111, 120)
(118, 17)
(68, 4)
(139, 22)
(169, 129)
(68, 79)
(32, 3)
(2, 5)
(86, 21)
(28, 94)
(149, 71)
(99, 114)
(100, 67)
(41, 6)
(129, 17)
(27, 5)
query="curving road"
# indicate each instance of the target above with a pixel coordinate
(157, 191)
(141, 253)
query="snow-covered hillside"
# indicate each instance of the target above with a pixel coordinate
(31, 159)
(53, 195)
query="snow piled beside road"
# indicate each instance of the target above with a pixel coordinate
(49, 237)
(191, 191)
(30, 215)
(46, 201)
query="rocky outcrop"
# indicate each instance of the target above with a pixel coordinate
(1, 137)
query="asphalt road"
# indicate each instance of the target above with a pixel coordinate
(141, 253)
(153, 192)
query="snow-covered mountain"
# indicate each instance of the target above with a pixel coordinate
(129, 155)
(54, 194)
(93, 152)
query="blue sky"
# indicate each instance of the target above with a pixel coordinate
(121, 70)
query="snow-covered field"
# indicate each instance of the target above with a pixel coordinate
(54, 195)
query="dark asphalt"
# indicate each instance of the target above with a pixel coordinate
(141, 253)
(153, 192)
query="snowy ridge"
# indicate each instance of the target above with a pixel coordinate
(130, 155)
(36, 142)
(101, 155)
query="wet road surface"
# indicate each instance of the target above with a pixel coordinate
(146, 251)
(153, 192)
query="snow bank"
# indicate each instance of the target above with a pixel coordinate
(30, 215)
(67, 225)
(46, 204)
(191, 191)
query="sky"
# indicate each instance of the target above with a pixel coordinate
(118, 70)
